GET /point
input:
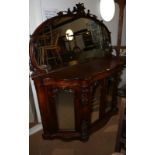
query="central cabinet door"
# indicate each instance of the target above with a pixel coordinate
(64, 111)
(64, 101)
(68, 113)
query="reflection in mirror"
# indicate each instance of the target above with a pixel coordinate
(69, 35)
(65, 110)
(88, 40)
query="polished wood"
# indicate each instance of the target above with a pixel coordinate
(79, 77)
(54, 47)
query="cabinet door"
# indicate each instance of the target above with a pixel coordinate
(64, 103)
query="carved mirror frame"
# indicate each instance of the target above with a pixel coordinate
(77, 12)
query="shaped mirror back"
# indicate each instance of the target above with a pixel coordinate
(67, 39)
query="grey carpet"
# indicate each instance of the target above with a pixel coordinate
(101, 142)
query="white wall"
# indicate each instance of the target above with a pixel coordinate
(35, 17)
(31, 117)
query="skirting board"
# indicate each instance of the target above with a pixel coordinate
(35, 129)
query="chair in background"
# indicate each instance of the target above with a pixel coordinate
(54, 48)
(49, 49)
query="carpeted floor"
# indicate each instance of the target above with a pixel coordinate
(101, 142)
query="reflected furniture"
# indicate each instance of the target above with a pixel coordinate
(54, 47)
(77, 95)
(50, 46)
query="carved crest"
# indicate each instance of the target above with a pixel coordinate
(78, 9)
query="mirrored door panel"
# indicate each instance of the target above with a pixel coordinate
(65, 110)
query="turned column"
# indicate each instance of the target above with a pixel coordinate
(85, 112)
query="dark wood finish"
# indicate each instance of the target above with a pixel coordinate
(80, 79)
(103, 99)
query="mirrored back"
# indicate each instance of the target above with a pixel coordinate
(68, 39)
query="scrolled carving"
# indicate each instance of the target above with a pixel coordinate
(60, 13)
(79, 9)
(88, 12)
(85, 94)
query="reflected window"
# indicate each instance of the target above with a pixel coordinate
(69, 35)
